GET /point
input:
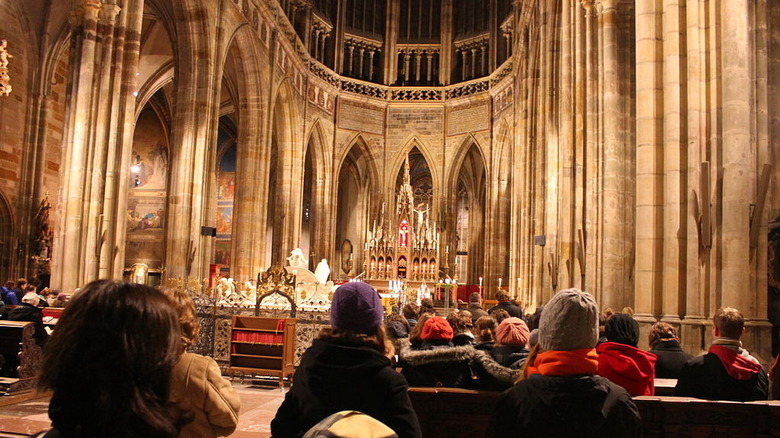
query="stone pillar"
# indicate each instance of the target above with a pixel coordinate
(694, 325)
(674, 208)
(615, 214)
(120, 146)
(391, 41)
(97, 176)
(447, 56)
(193, 135)
(592, 231)
(68, 268)
(649, 160)
(738, 158)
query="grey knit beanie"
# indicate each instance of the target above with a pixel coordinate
(570, 321)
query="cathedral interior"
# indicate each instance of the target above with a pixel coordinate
(622, 147)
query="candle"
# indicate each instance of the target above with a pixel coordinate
(499, 283)
(480, 281)
(447, 249)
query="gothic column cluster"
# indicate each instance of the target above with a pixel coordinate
(104, 51)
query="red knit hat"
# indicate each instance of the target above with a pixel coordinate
(436, 328)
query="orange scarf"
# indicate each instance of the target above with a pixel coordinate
(564, 363)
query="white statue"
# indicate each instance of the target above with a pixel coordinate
(250, 292)
(322, 272)
(296, 259)
(226, 287)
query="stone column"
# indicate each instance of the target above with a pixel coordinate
(738, 157)
(674, 208)
(592, 231)
(120, 146)
(97, 177)
(193, 135)
(391, 41)
(67, 270)
(447, 56)
(615, 269)
(695, 327)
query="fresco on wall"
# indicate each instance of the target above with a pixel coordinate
(145, 214)
(226, 186)
(147, 196)
(149, 167)
(226, 192)
(222, 252)
(224, 221)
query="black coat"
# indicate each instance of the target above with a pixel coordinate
(551, 406)
(706, 377)
(670, 359)
(28, 312)
(476, 312)
(511, 356)
(333, 378)
(512, 309)
(455, 367)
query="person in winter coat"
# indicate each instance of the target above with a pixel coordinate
(28, 310)
(561, 395)
(511, 338)
(442, 365)
(665, 345)
(347, 368)
(619, 359)
(197, 384)
(505, 302)
(727, 371)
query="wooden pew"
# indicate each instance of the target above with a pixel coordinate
(22, 356)
(452, 412)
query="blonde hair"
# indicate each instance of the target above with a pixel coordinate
(729, 322)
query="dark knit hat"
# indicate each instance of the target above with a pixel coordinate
(570, 321)
(436, 328)
(397, 329)
(356, 307)
(512, 331)
(622, 328)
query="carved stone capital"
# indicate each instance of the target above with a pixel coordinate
(109, 13)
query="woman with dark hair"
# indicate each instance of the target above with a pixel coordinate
(109, 364)
(348, 368)
(197, 383)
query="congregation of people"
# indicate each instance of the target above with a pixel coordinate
(567, 369)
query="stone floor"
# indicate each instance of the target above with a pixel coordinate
(258, 407)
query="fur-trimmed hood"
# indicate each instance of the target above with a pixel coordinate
(479, 360)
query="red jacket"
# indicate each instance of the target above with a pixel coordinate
(627, 366)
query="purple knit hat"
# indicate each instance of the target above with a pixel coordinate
(356, 307)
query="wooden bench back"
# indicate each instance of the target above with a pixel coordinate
(22, 354)
(452, 412)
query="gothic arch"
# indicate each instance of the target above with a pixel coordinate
(356, 188)
(464, 148)
(359, 144)
(398, 162)
(7, 247)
